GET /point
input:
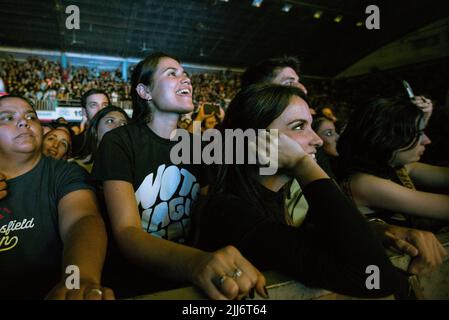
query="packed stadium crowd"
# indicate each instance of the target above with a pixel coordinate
(109, 197)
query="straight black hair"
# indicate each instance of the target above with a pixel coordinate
(255, 107)
(91, 141)
(375, 132)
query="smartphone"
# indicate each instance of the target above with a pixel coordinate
(409, 90)
(210, 108)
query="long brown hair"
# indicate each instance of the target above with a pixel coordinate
(255, 107)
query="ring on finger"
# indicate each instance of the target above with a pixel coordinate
(237, 273)
(97, 291)
(222, 279)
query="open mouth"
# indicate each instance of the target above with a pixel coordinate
(184, 92)
(24, 135)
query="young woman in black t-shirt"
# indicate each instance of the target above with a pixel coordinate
(149, 199)
(334, 246)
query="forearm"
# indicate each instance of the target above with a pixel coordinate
(337, 220)
(85, 247)
(164, 257)
(354, 245)
(307, 170)
(334, 214)
(429, 176)
(444, 179)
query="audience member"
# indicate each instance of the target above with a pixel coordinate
(49, 218)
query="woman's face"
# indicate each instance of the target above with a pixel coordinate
(171, 90)
(110, 121)
(56, 144)
(329, 135)
(295, 122)
(402, 157)
(20, 129)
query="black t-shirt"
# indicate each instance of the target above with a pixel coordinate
(331, 250)
(77, 143)
(30, 245)
(165, 193)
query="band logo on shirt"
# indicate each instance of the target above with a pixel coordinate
(166, 199)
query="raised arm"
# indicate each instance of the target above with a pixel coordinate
(426, 175)
(176, 261)
(84, 237)
(425, 105)
(372, 191)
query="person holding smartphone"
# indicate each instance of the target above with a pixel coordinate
(379, 168)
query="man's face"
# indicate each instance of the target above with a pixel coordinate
(95, 103)
(288, 77)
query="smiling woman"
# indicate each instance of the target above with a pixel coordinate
(246, 209)
(57, 144)
(149, 198)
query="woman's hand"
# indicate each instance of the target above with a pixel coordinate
(425, 105)
(226, 274)
(426, 251)
(290, 153)
(88, 291)
(201, 115)
(276, 148)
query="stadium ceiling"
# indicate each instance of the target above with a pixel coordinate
(229, 33)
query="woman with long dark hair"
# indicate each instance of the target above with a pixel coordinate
(105, 120)
(379, 157)
(333, 247)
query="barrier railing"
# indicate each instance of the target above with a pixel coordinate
(51, 105)
(280, 287)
